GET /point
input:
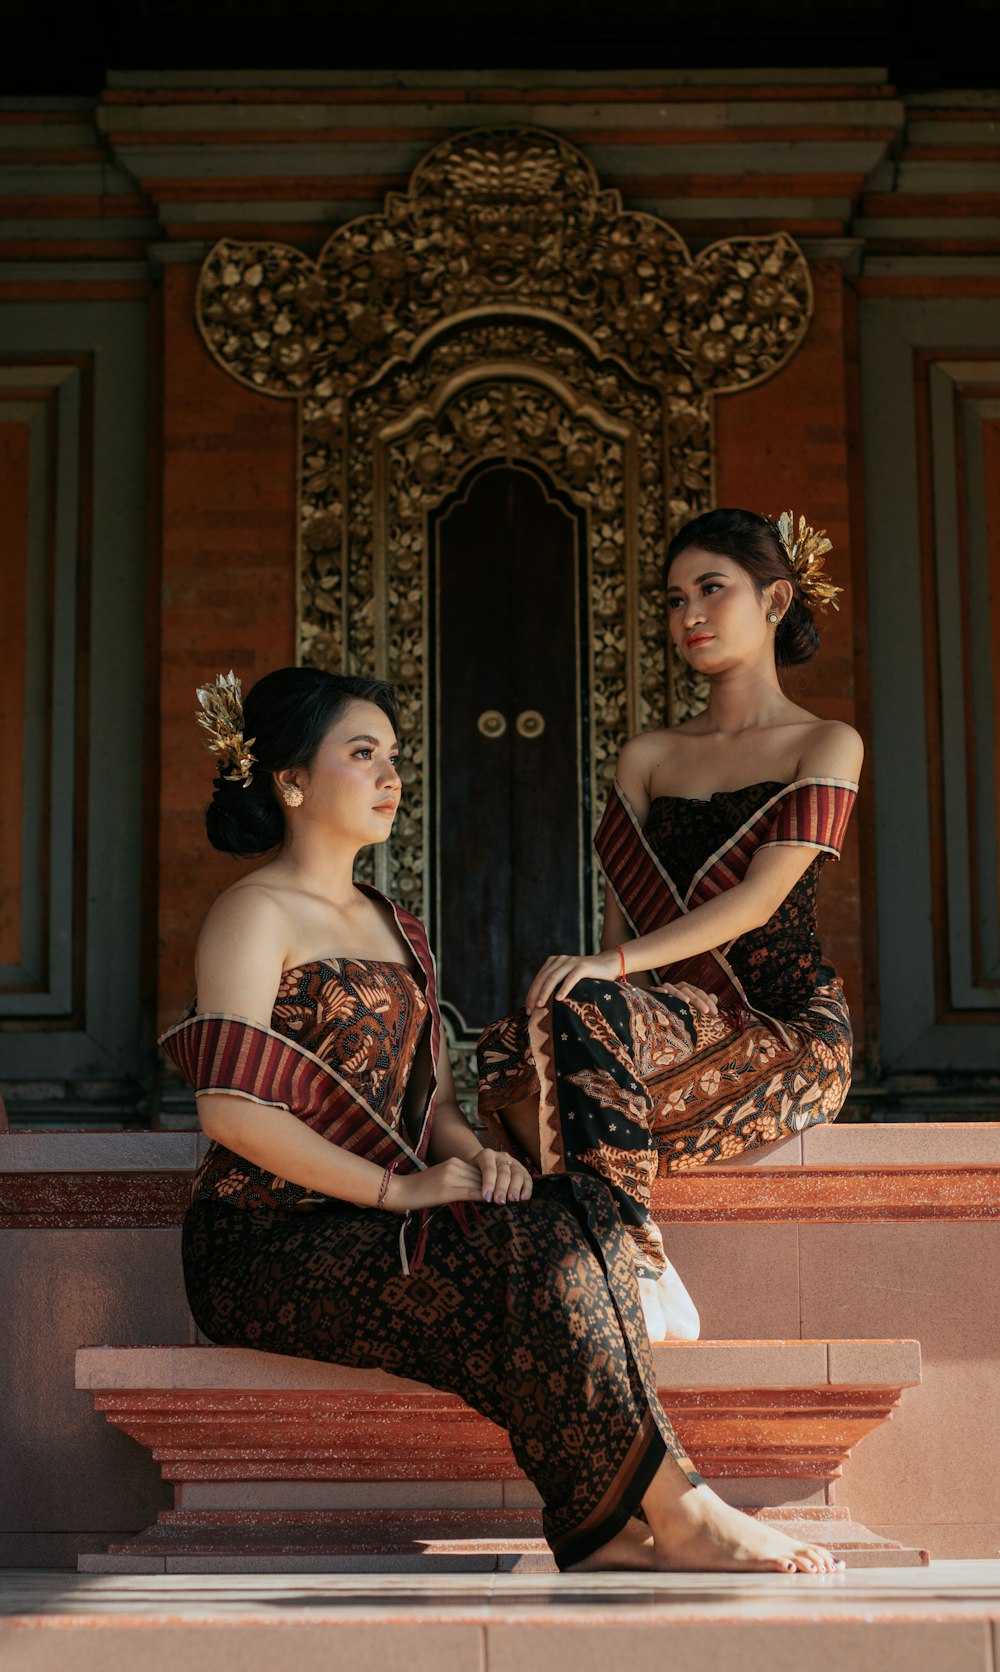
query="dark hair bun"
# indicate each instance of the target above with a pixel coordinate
(244, 821)
(796, 639)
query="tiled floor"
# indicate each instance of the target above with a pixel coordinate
(945, 1618)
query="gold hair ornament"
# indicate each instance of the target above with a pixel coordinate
(222, 718)
(805, 549)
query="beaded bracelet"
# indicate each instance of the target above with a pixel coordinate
(383, 1187)
(621, 953)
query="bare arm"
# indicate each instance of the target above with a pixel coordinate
(239, 960)
(238, 964)
(837, 752)
(281, 1144)
(451, 1133)
(502, 1179)
(616, 931)
(771, 876)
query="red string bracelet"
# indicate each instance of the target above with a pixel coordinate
(383, 1187)
(621, 954)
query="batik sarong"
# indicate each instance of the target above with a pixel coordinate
(528, 1311)
(631, 1083)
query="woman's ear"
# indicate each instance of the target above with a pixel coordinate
(779, 595)
(286, 782)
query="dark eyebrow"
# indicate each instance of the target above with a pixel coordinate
(373, 741)
(709, 575)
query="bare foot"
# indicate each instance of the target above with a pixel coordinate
(631, 1550)
(706, 1535)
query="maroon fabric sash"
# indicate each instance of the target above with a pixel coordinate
(812, 812)
(223, 1053)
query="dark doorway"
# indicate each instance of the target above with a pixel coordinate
(511, 878)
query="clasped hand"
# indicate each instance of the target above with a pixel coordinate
(490, 1176)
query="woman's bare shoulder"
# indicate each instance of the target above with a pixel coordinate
(832, 749)
(651, 748)
(643, 745)
(241, 950)
(640, 758)
(249, 906)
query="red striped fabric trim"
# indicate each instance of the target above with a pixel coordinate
(232, 1056)
(649, 900)
(812, 812)
(817, 814)
(642, 887)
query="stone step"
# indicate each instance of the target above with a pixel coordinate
(277, 1460)
(767, 1409)
(908, 1620)
(421, 1541)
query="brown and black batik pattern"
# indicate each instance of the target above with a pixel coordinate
(631, 1083)
(341, 1029)
(530, 1313)
(377, 1018)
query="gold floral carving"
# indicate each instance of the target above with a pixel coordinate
(596, 436)
(501, 218)
(505, 308)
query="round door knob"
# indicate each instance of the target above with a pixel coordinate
(530, 723)
(491, 723)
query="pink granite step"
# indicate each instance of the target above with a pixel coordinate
(277, 1461)
(937, 1619)
(422, 1541)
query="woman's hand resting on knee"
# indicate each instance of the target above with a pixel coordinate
(560, 974)
(702, 1003)
(490, 1176)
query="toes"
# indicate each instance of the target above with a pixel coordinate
(827, 1564)
(814, 1558)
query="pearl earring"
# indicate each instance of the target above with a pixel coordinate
(773, 617)
(292, 796)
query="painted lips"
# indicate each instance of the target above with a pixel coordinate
(696, 639)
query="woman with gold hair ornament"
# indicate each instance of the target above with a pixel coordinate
(709, 1023)
(347, 1212)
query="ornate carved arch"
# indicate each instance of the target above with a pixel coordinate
(508, 392)
(500, 225)
(499, 219)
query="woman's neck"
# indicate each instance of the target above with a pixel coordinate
(319, 863)
(745, 699)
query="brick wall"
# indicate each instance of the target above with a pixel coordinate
(786, 445)
(228, 589)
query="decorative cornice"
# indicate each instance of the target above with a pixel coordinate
(512, 220)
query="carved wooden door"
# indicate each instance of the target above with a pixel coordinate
(508, 776)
